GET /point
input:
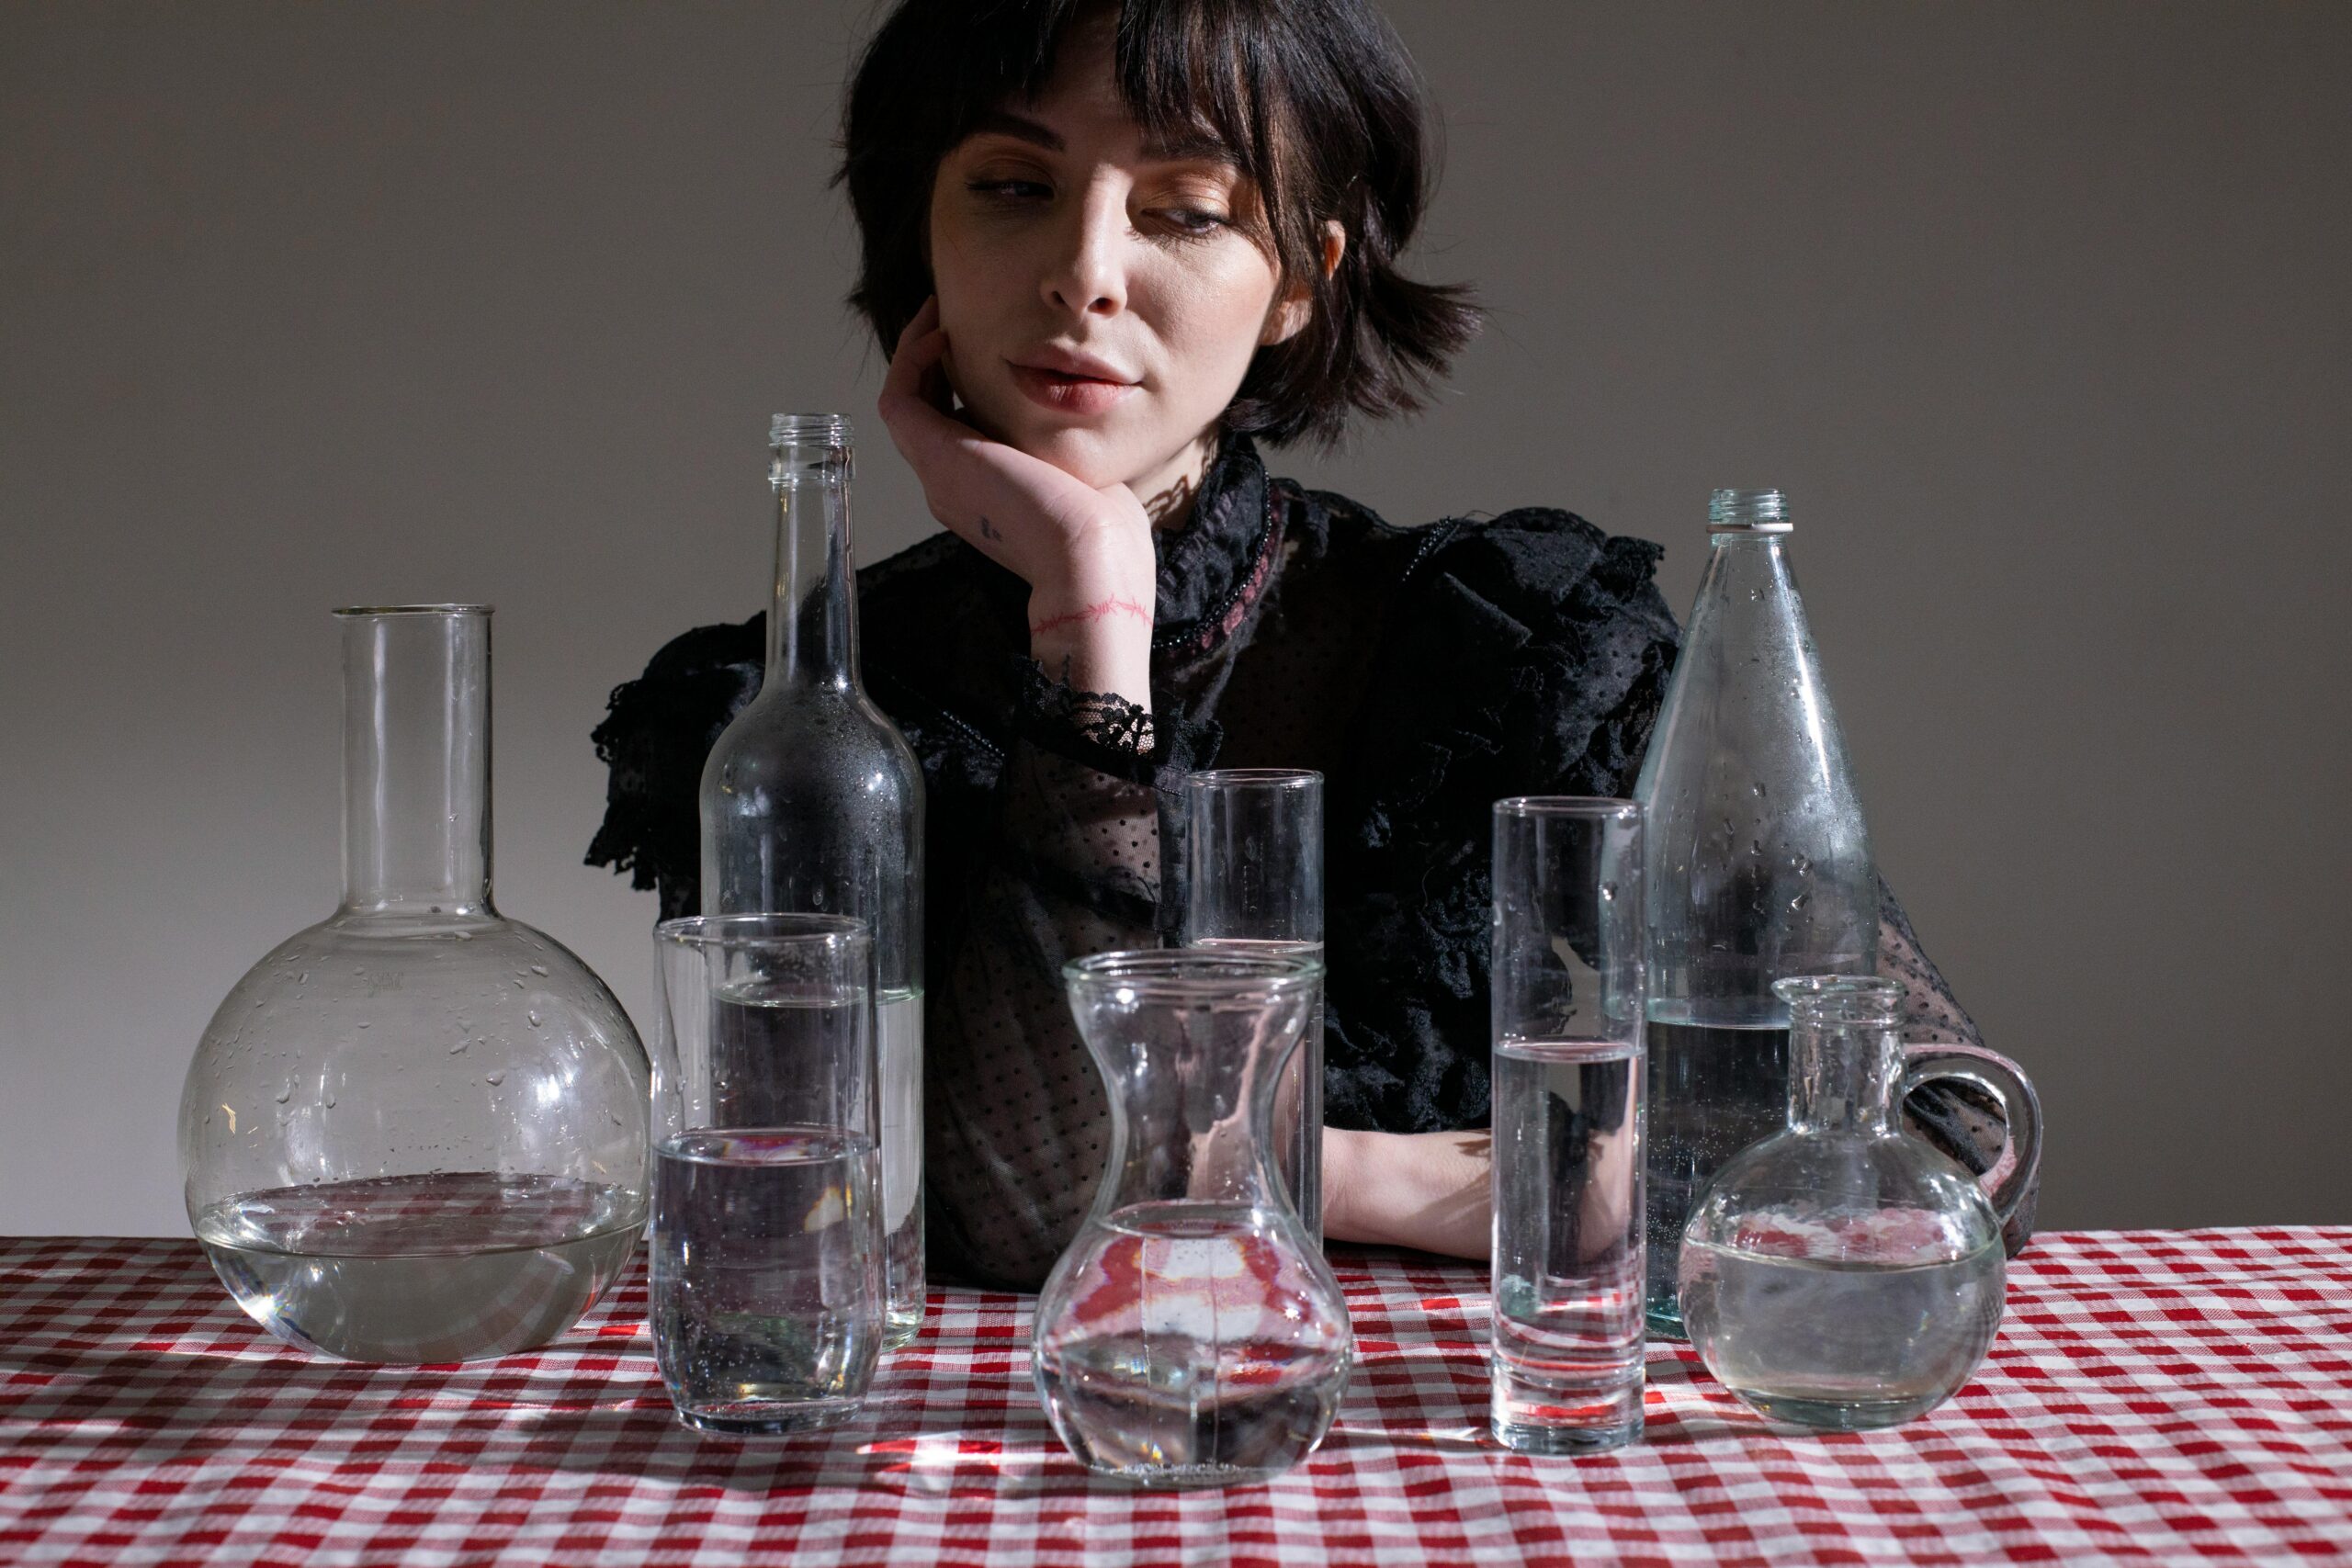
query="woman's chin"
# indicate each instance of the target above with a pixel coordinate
(1093, 457)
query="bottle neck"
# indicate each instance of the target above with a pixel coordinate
(812, 624)
(1843, 1073)
(416, 761)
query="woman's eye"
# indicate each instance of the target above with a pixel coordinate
(1009, 190)
(1194, 220)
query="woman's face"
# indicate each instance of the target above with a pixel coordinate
(1101, 294)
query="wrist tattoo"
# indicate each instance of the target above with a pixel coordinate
(1101, 611)
(990, 530)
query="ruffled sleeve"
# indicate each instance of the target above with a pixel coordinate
(657, 731)
(1524, 655)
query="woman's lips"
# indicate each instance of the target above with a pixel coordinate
(1069, 394)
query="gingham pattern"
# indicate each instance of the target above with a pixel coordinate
(2153, 1396)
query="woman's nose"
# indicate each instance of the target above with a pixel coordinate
(1089, 274)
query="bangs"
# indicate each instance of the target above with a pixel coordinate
(1199, 80)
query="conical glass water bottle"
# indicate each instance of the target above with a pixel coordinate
(1756, 863)
(416, 1131)
(812, 804)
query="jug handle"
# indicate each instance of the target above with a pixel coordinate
(2010, 1183)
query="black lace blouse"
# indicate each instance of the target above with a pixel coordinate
(1425, 671)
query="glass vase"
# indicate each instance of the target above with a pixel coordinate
(1844, 1273)
(416, 1131)
(1191, 1334)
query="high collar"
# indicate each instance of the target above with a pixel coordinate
(1210, 569)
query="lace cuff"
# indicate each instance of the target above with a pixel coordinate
(1106, 731)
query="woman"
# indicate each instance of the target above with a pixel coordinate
(1112, 244)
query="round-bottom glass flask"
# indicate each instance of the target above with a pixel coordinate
(416, 1131)
(1844, 1274)
(1192, 1333)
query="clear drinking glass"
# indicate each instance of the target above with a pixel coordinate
(1845, 1274)
(1568, 1079)
(1253, 879)
(769, 1290)
(1191, 1334)
(1760, 865)
(415, 1132)
(812, 802)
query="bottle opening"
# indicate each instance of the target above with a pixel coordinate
(1748, 512)
(808, 430)
(1864, 1000)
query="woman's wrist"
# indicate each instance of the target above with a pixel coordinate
(1092, 630)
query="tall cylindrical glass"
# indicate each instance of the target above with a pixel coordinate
(812, 803)
(1569, 963)
(1253, 864)
(768, 1285)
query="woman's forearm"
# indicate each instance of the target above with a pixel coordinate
(1422, 1189)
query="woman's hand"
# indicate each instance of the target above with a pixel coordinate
(1085, 553)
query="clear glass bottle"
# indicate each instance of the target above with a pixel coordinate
(416, 1131)
(1759, 867)
(812, 804)
(1845, 1274)
(1191, 1334)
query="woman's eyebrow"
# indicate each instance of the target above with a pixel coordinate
(1174, 146)
(1004, 122)
(1188, 145)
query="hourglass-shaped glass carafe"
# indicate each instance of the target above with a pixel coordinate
(1191, 1334)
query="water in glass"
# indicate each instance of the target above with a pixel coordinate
(1569, 1245)
(766, 1297)
(443, 1267)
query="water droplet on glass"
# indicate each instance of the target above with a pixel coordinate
(286, 1091)
(518, 983)
(538, 968)
(534, 1018)
(494, 1079)
(362, 1023)
(1756, 847)
(1609, 893)
(1756, 593)
(1757, 789)
(460, 1046)
(1802, 864)
(1799, 901)
(329, 1102)
(303, 978)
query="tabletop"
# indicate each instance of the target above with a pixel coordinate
(2152, 1396)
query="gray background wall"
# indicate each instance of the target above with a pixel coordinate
(2041, 313)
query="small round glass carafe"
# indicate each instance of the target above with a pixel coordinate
(416, 1131)
(1192, 1333)
(1843, 1273)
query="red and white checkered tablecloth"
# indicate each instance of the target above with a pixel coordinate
(2153, 1396)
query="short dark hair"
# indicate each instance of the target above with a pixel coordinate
(1315, 100)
